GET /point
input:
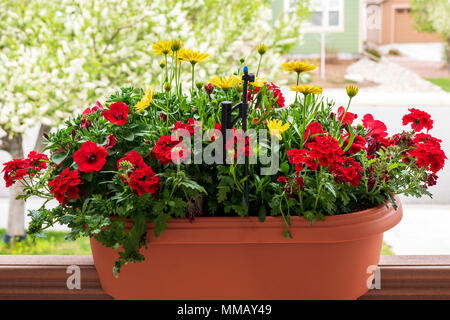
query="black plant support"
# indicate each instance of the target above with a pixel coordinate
(227, 123)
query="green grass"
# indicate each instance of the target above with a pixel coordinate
(53, 243)
(444, 83)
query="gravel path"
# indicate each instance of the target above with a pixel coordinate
(391, 77)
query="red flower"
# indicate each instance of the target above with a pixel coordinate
(15, 170)
(325, 149)
(418, 119)
(282, 180)
(300, 182)
(85, 123)
(110, 142)
(209, 88)
(358, 144)
(376, 128)
(165, 149)
(347, 170)
(423, 137)
(95, 108)
(65, 186)
(37, 161)
(313, 129)
(349, 117)
(242, 144)
(181, 125)
(300, 158)
(429, 155)
(431, 180)
(273, 90)
(134, 158)
(117, 113)
(144, 181)
(90, 157)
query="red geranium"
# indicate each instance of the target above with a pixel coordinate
(419, 119)
(117, 113)
(358, 144)
(90, 157)
(144, 181)
(134, 158)
(65, 186)
(313, 129)
(349, 117)
(376, 128)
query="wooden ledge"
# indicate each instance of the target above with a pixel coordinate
(44, 277)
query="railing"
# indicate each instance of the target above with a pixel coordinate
(45, 277)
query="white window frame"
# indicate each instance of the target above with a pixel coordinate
(309, 28)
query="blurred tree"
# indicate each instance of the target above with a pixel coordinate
(433, 16)
(59, 56)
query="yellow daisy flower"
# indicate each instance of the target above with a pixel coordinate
(259, 82)
(192, 56)
(298, 66)
(262, 48)
(145, 100)
(162, 48)
(224, 83)
(307, 89)
(176, 44)
(276, 128)
(351, 90)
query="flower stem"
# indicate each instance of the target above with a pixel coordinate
(259, 65)
(193, 75)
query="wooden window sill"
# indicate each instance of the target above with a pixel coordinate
(44, 277)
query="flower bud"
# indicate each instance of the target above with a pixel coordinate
(209, 88)
(167, 86)
(162, 64)
(176, 45)
(199, 85)
(262, 48)
(351, 90)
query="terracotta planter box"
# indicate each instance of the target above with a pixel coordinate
(243, 258)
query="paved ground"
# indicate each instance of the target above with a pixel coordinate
(429, 51)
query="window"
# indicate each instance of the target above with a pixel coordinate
(326, 15)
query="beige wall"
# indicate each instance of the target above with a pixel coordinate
(397, 25)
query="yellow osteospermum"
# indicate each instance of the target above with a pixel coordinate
(259, 82)
(276, 128)
(298, 66)
(145, 100)
(192, 56)
(307, 89)
(162, 48)
(224, 83)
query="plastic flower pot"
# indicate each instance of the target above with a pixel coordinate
(243, 258)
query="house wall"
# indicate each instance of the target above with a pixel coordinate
(347, 41)
(397, 25)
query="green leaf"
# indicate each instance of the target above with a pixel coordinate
(57, 158)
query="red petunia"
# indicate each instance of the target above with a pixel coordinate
(376, 128)
(359, 143)
(349, 117)
(110, 142)
(419, 119)
(117, 113)
(313, 129)
(134, 158)
(90, 157)
(144, 181)
(65, 186)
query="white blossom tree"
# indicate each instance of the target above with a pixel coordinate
(57, 57)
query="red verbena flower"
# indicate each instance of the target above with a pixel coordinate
(65, 186)
(167, 150)
(325, 149)
(429, 155)
(282, 179)
(181, 125)
(90, 157)
(144, 180)
(241, 142)
(349, 117)
(419, 119)
(376, 128)
(37, 161)
(300, 158)
(15, 170)
(347, 170)
(117, 113)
